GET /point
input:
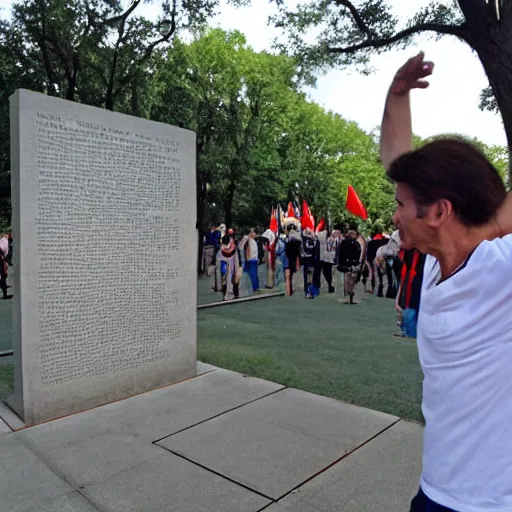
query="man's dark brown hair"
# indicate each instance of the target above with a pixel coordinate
(456, 171)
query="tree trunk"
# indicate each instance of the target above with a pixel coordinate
(200, 227)
(70, 92)
(200, 208)
(495, 52)
(135, 100)
(228, 204)
(109, 96)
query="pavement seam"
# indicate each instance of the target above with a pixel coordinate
(224, 477)
(27, 443)
(2, 422)
(345, 455)
(93, 505)
(220, 414)
(273, 502)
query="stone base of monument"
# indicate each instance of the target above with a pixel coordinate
(12, 420)
(243, 299)
(10, 417)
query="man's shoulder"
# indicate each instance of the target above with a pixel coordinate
(500, 249)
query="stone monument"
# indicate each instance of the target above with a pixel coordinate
(105, 249)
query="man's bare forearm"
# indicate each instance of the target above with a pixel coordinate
(396, 129)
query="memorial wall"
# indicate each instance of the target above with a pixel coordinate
(104, 222)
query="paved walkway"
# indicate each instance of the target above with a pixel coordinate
(219, 442)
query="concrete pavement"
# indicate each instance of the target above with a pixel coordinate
(220, 442)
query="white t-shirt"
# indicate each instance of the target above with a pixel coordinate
(327, 247)
(465, 349)
(253, 250)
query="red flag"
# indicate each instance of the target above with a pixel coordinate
(354, 204)
(321, 225)
(273, 221)
(291, 211)
(307, 221)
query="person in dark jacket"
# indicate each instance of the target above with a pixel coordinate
(9, 253)
(349, 262)
(310, 260)
(292, 253)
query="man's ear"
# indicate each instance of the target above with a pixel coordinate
(439, 212)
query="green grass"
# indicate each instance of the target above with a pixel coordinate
(6, 379)
(321, 346)
(6, 319)
(205, 294)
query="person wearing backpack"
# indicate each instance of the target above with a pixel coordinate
(292, 253)
(349, 262)
(310, 260)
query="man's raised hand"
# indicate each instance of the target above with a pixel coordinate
(411, 74)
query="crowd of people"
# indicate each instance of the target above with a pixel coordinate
(287, 248)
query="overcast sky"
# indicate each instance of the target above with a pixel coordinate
(449, 105)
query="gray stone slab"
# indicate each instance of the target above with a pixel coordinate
(86, 336)
(382, 476)
(118, 436)
(4, 428)
(276, 443)
(72, 502)
(25, 481)
(171, 484)
(7, 415)
(93, 457)
(205, 368)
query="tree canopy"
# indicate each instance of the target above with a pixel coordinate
(347, 32)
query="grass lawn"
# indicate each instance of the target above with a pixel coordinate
(205, 294)
(6, 377)
(6, 319)
(322, 346)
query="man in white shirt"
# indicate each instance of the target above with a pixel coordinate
(453, 206)
(252, 260)
(328, 248)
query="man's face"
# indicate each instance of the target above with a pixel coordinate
(415, 232)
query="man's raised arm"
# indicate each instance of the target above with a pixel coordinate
(396, 129)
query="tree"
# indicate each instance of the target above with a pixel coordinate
(349, 31)
(234, 99)
(90, 51)
(96, 52)
(19, 68)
